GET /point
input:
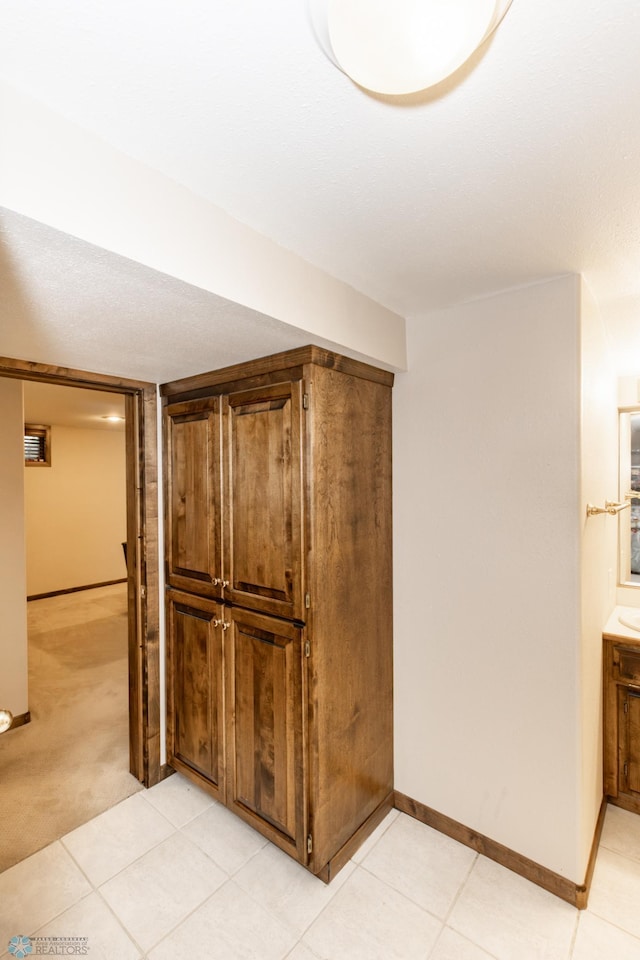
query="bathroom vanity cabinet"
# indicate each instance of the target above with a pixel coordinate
(622, 722)
(279, 616)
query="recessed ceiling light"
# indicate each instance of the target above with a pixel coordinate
(113, 419)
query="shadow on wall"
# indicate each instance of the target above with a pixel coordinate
(23, 333)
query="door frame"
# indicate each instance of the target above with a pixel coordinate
(143, 569)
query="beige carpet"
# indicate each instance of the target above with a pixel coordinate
(72, 761)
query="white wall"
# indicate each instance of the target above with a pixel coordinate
(599, 482)
(487, 560)
(76, 513)
(629, 390)
(13, 631)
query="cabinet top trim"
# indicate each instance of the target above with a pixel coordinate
(275, 363)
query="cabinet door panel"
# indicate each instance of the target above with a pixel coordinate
(263, 523)
(193, 496)
(626, 663)
(196, 725)
(634, 743)
(267, 756)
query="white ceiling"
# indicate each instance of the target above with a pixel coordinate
(50, 404)
(524, 165)
(70, 303)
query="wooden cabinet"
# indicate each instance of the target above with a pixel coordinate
(622, 722)
(240, 537)
(629, 737)
(193, 483)
(266, 747)
(262, 454)
(278, 564)
(196, 720)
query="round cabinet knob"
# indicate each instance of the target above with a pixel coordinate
(216, 582)
(225, 583)
(225, 625)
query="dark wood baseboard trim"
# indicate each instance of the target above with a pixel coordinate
(571, 892)
(88, 586)
(20, 719)
(625, 802)
(583, 891)
(344, 854)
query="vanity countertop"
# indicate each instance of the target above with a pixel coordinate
(613, 627)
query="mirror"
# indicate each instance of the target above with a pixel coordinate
(629, 520)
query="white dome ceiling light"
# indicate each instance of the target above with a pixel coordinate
(403, 46)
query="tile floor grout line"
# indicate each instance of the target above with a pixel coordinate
(248, 861)
(127, 865)
(611, 923)
(80, 899)
(138, 793)
(436, 941)
(144, 794)
(403, 895)
(299, 937)
(188, 915)
(574, 936)
(461, 888)
(356, 866)
(128, 933)
(69, 906)
(306, 946)
(463, 936)
(619, 853)
(215, 862)
(98, 893)
(445, 921)
(398, 814)
(322, 909)
(271, 913)
(71, 856)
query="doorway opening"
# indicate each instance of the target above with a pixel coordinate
(142, 565)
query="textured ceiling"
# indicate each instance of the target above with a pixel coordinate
(524, 165)
(69, 303)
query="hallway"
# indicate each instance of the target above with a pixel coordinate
(71, 762)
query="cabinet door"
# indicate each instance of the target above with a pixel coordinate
(195, 727)
(629, 734)
(263, 499)
(266, 757)
(193, 496)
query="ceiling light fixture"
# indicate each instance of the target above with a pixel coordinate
(113, 419)
(403, 46)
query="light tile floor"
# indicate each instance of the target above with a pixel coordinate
(170, 873)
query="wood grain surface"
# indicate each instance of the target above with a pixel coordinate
(303, 518)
